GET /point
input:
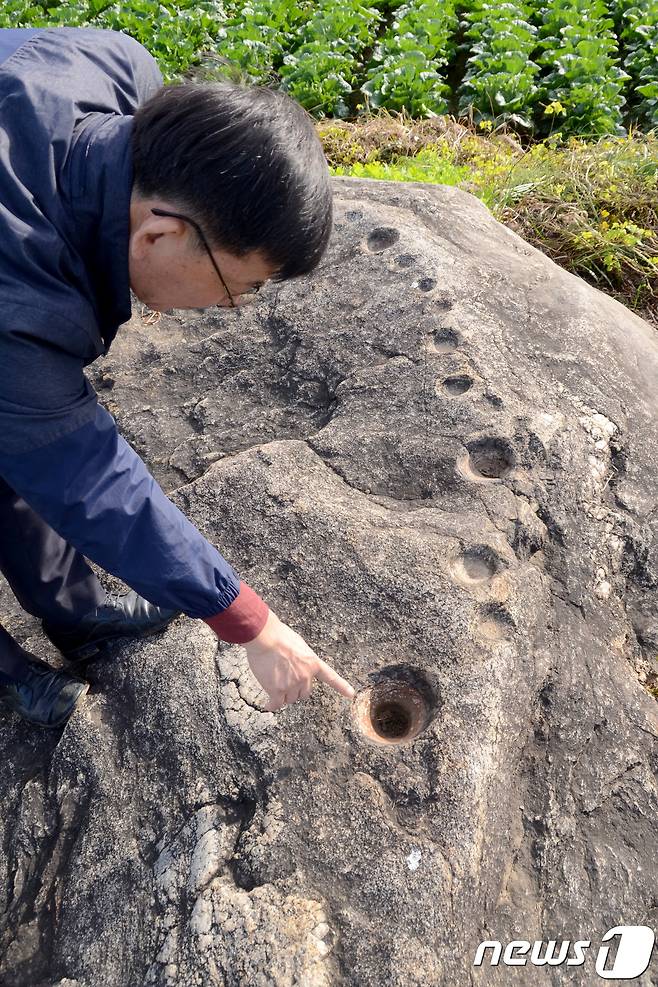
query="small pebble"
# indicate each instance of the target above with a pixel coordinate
(413, 859)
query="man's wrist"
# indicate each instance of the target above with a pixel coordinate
(243, 620)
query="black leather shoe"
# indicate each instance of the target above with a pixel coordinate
(46, 697)
(120, 617)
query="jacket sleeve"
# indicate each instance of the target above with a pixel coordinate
(61, 451)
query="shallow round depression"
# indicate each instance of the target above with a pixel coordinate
(391, 712)
(457, 384)
(476, 565)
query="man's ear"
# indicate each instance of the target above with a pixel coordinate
(150, 228)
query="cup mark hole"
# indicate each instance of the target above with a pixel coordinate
(495, 624)
(391, 719)
(381, 238)
(426, 284)
(445, 340)
(457, 385)
(391, 712)
(490, 458)
(405, 260)
(476, 565)
(353, 216)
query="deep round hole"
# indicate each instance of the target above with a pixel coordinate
(457, 385)
(390, 719)
(382, 238)
(391, 712)
(490, 458)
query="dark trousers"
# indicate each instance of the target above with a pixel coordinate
(49, 578)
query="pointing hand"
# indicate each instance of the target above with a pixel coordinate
(286, 666)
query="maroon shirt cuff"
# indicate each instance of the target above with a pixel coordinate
(243, 620)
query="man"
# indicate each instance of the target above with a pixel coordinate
(192, 196)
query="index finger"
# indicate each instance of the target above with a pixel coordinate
(275, 702)
(329, 675)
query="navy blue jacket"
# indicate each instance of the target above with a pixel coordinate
(67, 96)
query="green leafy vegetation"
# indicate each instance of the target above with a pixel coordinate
(174, 31)
(637, 29)
(584, 81)
(426, 166)
(403, 72)
(256, 36)
(321, 72)
(500, 74)
(573, 67)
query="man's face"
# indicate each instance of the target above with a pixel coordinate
(168, 271)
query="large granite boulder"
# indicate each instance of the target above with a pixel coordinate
(435, 459)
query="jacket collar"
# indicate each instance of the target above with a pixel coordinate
(100, 183)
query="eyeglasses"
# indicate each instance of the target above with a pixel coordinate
(192, 222)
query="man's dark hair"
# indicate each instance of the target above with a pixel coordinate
(245, 163)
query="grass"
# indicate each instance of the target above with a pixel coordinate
(592, 206)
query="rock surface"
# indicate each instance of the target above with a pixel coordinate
(435, 459)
